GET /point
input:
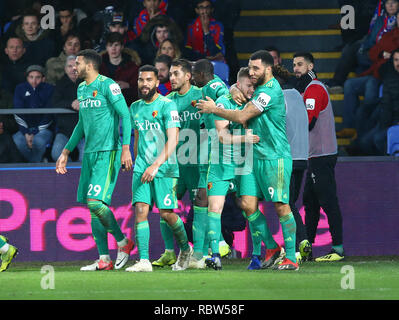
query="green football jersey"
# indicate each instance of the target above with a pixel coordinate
(99, 118)
(270, 125)
(213, 89)
(190, 125)
(152, 121)
(227, 157)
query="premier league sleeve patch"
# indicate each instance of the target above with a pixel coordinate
(261, 101)
(115, 89)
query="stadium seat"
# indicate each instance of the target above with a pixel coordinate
(393, 140)
(221, 69)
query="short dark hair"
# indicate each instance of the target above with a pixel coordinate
(273, 48)
(71, 34)
(264, 56)
(204, 66)
(65, 7)
(149, 68)
(184, 64)
(197, 2)
(91, 56)
(31, 13)
(113, 37)
(306, 55)
(164, 58)
(243, 72)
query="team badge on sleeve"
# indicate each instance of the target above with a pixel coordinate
(115, 89)
(261, 101)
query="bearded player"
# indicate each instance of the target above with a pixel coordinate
(101, 104)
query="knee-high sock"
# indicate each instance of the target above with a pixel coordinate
(142, 230)
(99, 234)
(288, 227)
(214, 220)
(256, 239)
(259, 225)
(180, 234)
(200, 224)
(107, 218)
(167, 235)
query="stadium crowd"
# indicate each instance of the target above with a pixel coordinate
(129, 34)
(126, 39)
(36, 63)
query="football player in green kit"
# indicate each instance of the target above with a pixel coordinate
(156, 124)
(101, 104)
(213, 87)
(185, 95)
(265, 115)
(229, 164)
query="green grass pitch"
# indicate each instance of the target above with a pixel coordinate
(373, 278)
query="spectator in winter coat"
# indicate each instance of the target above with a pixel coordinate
(34, 129)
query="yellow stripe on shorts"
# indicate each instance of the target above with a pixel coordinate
(280, 180)
(109, 174)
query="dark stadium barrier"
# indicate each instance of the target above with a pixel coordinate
(40, 215)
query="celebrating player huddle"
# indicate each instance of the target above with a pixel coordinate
(199, 140)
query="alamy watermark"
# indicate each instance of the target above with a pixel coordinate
(48, 280)
(348, 280)
(348, 18)
(48, 20)
(194, 149)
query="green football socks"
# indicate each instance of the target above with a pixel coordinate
(180, 234)
(167, 235)
(214, 220)
(258, 225)
(142, 230)
(107, 218)
(288, 227)
(200, 225)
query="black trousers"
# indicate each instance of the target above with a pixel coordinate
(298, 170)
(320, 191)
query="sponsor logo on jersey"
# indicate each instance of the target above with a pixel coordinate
(90, 103)
(115, 89)
(147, 125)
(189, 116)
(310, 104)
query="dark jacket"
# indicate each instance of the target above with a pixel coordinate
(27, 97)
(40, 50)
(127, 71)
(14, 73)
(64, 93)
(389, 105)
